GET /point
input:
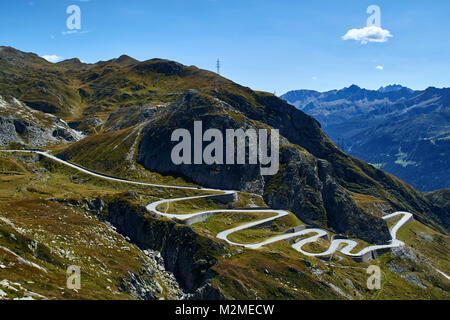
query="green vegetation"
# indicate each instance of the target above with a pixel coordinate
(190, 206)
(43, 179)
(259, 234)
(245, 200)
(114, 154)
(227, 220)
(273, 272)
(401, 156)
(45, 201)
(54, 236)
(377, 165)
(431, 244)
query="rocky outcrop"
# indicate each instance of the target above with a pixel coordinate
(125, 118)
(88, 126)
(307, 187)
(344, 216)
(143, 286)
(21, 125)
(305, 184)
(186, 254)
(155, 148)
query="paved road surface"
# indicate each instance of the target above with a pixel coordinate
(344, 246)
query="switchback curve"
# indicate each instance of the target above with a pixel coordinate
(345, 246)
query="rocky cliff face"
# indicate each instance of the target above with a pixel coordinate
(20, 124)
(441, 200)
(179, 246)
(181, 115)
(305, 184)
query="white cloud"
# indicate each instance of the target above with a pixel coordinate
(368, 34)
(379, 67)
(52, 58)
(314, 78)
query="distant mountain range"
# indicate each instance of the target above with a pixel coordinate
(397, 129)
(394, 88)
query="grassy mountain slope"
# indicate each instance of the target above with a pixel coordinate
(125, 93)
(52, 216)
(46, 226)
(130, 108)
(441, 199)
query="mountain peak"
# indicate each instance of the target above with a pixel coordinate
(125, 60)
(353, 88)
(393, 88)
(73, 61)
(6, 50)
(17, 57)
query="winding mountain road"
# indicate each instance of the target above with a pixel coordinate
(345, 246)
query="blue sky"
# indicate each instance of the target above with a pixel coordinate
(267, 45)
